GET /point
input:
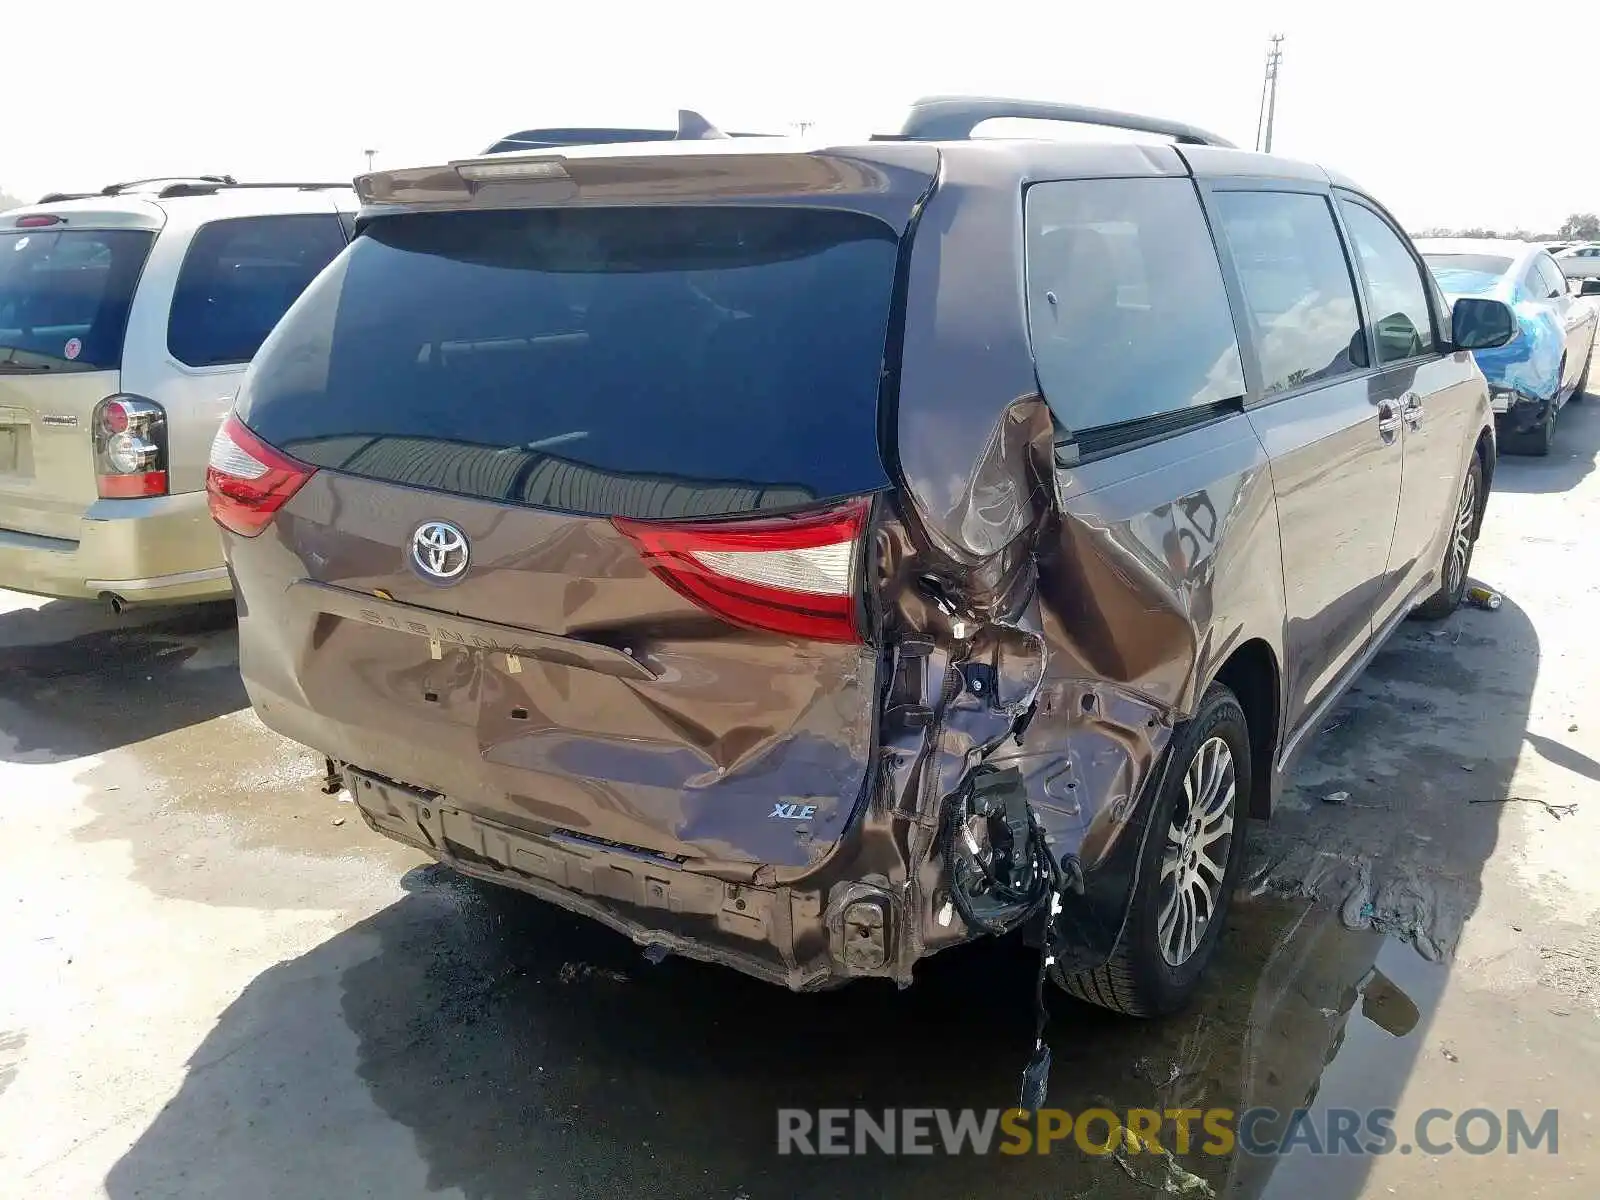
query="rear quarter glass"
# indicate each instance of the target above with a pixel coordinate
(238, 278)
(653, 362)
(65, 296)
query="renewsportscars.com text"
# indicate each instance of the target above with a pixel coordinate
(1215, 1131)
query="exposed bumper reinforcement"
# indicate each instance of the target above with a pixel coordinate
(650, 900)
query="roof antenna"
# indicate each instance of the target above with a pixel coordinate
(692, 127)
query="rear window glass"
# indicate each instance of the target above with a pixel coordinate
(65, 295)
(1126, 307)
(1467, 274)
(648, 362)
(239, 277)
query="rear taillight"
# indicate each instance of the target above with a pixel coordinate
(130, 447)
(793, 574)
(247, 481)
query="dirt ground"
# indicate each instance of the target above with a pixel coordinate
(215, 981)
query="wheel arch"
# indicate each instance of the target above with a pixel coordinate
(1487, 455)
(1251, 672)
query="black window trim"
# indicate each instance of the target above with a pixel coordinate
(1210, 188)
(194, 236)
(1424, 274)
(1119, 437)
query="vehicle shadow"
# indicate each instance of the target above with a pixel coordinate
(1571, 458)
(469, 1038)
(76, 679)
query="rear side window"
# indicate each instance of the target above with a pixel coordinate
(64, 297)
(239, 277)
(1297, 286)
(1127, 311)
(642, 362)
(1550, 275)
(1400, 314)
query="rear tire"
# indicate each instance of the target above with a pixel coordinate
(1582, 388)
(1194, 849)
(1453, 571)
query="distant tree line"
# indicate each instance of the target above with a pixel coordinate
(1579, 227)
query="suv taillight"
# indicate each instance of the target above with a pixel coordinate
(792, 574)
(247, 481)
(130, 447)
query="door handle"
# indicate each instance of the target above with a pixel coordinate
(1388, 418)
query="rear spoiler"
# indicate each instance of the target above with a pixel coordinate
(882, 180)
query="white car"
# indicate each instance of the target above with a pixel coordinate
(127, 318)
(1581, 261)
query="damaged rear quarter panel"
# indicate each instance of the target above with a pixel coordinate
(1096, 602)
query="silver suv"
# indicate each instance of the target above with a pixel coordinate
(127, 318)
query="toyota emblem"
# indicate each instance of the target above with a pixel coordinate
(439, 551)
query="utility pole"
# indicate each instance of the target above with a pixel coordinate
(802, 126)
(371, 154)
(1269, 95)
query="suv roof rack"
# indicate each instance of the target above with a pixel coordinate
(167, 186)
(206, 188)
(117, 189)
(691, 127)
(953, 118)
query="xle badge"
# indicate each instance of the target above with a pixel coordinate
(793, 812)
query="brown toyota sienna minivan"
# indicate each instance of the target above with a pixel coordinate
(808, 559)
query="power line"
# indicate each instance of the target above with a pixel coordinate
(1269, 95)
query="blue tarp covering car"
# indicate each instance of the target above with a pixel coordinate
(1547, 363)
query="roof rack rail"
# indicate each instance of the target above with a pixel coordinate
(208, 188)
(691, 127)
(117, 189)
(58, 197)
(953, 118)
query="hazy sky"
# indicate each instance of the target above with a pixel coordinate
(1453, 114)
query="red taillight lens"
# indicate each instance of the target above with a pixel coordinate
(38, 221)
(794, 574)
(247, 481)
(130, 447)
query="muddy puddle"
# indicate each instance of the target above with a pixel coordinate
(529, 1053)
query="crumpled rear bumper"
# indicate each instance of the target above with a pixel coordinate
(796, 937)
(1516, 412)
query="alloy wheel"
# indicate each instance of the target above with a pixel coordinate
(1194, 860)
(1461, 536)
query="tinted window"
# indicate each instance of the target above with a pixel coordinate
(1126, 306)
(1400, 314)
(64, 297)
(1297, 286)
(644, 362)
(237, 280)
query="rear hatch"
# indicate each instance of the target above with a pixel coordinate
(67, 281)
(583, 543)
